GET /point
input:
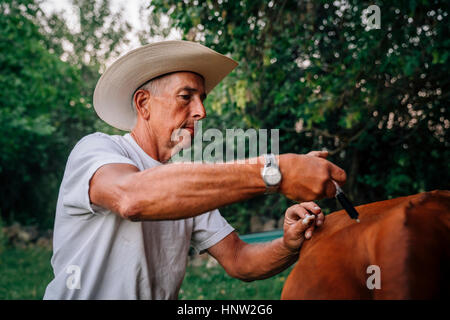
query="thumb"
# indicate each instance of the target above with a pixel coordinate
(301, 225)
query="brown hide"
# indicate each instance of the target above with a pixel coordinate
(408, 238)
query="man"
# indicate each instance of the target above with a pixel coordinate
(125, 219)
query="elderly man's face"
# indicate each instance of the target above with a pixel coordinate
(176, 104)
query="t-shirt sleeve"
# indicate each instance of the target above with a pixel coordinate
(209, 229)
(90, 153)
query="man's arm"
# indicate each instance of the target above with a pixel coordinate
(176, 191)
(173, 191)
(250, 262)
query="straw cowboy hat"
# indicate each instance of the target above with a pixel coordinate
(114, 91)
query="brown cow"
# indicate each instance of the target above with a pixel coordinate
(408, 238)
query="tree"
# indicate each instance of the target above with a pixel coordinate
(48, 74)
(97, 38)
(37, 90)
(377, 99)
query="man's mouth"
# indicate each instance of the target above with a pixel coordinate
(190, 128)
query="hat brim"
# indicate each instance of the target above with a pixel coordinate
(114, 90)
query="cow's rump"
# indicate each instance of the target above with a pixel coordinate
(408, 238)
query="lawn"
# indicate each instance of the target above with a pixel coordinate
(25, 273)
(213, 283)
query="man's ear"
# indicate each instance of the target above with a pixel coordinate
(141, 102)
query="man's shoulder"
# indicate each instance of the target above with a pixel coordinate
(99, 138)
(98, 148)
(99, 142)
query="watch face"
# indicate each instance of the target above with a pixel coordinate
(272, 176)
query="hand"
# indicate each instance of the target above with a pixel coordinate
(309, 177)
(295, 230)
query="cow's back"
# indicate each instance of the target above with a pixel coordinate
(408, 238)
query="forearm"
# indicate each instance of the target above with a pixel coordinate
(261, 261)
(176, 191)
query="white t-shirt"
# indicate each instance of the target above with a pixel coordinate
(99, 255)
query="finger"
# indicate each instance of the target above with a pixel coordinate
(299, 228)
(296, 212)
(337, 174)
(311, 206)
(313, 153)
(309, 232)
(320, 154)
(330, 189)
(307, 220)
(323, 154)
(320, 219)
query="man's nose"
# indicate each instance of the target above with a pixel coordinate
(198, 111)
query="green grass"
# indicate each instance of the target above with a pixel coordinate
(25, 273)
(201, 283)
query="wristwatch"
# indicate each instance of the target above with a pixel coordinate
(271, 173)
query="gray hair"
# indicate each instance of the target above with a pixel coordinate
(153, 86)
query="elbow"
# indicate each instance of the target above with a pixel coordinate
(240, 274)
(128, 209)
(136, 203)
(131, 215)
(236, 264)
(133, 208)
(127, 204)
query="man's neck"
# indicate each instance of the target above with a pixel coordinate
(145, 138)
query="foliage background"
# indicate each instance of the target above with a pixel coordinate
(377, 99)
